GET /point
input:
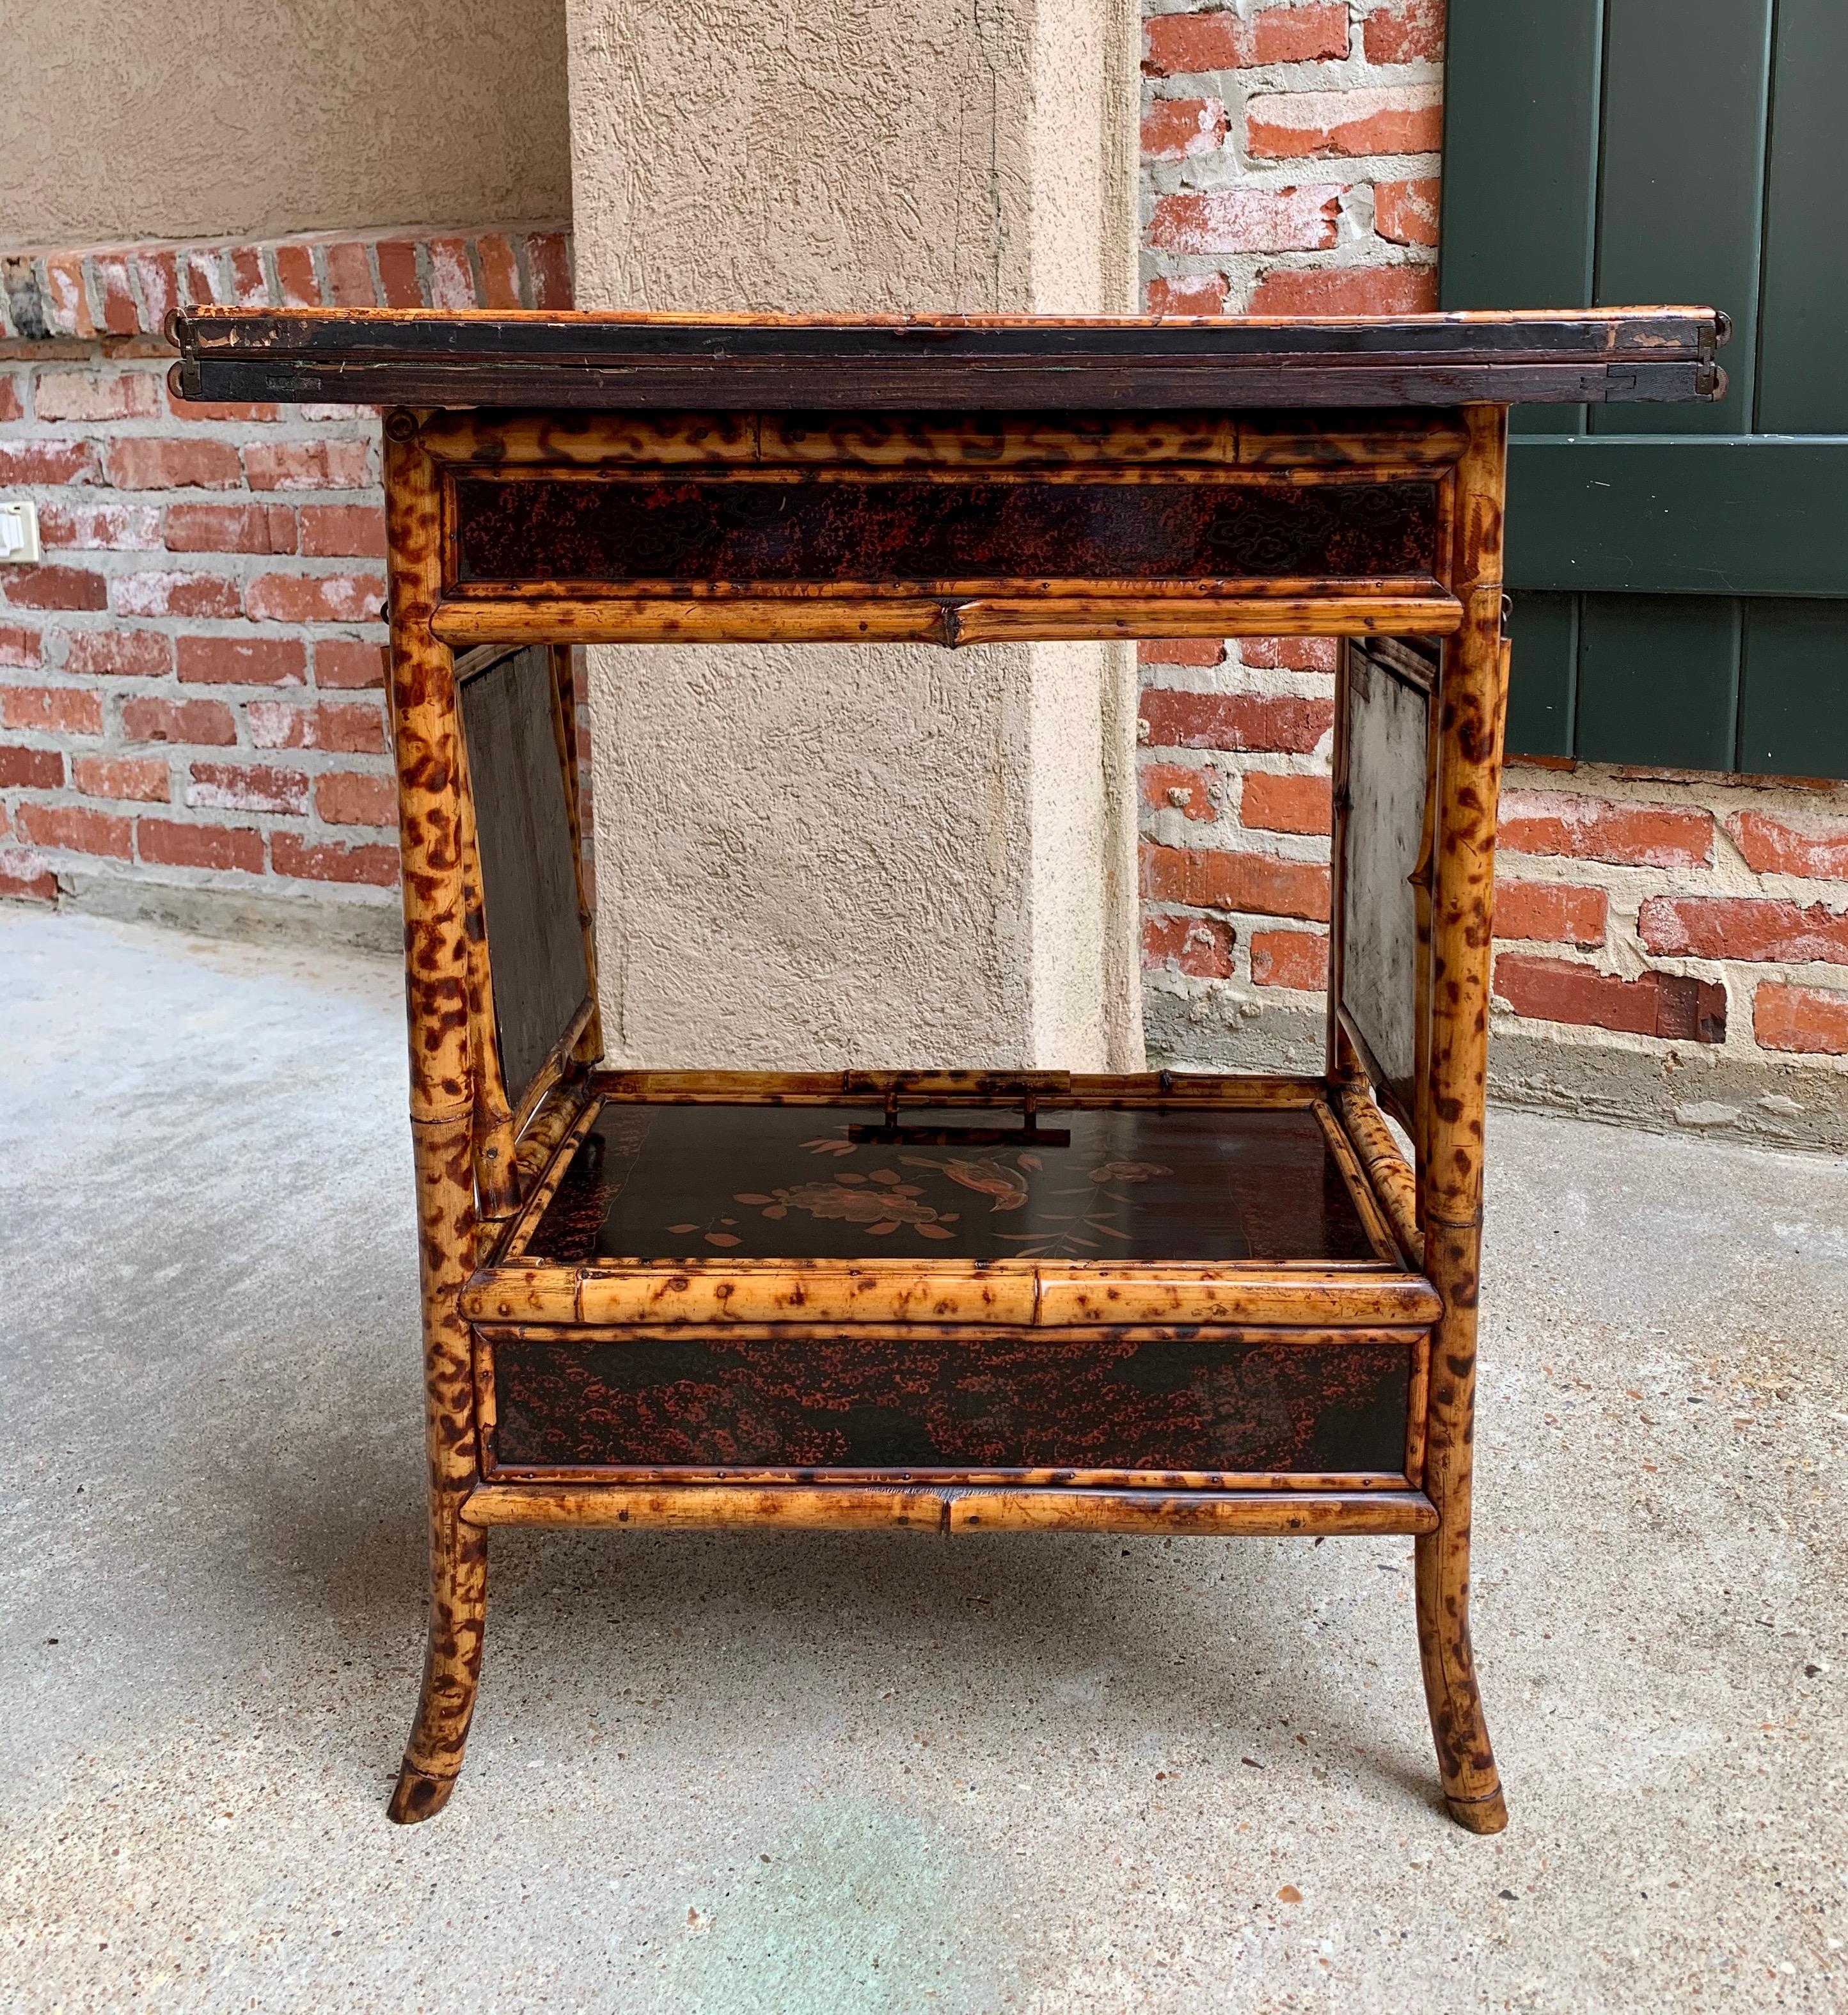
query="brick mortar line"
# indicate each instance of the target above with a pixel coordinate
(368, 562)
(1232, 763)
(222, 880)
(1272, 843)
(148, 685)
(226, 242)
(309, 763)
(35, 433)
(1240, 86)
(1232, 680)
(1251, 9)
(219, 818)
(345, 838)
(209, 819)
(1345, 173)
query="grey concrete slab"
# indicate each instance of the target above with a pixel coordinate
(748, 1774)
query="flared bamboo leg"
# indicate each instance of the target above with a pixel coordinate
(1471, 702)
(439, 1005)
(1466, 1760)
(458, 1553)
(452, 1666)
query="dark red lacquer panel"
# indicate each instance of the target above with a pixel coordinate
(1084, 1402)
(749, 531)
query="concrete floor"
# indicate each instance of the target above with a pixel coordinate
(730, 1776)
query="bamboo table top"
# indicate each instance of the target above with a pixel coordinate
(964, 363)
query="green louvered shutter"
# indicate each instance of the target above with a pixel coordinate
(1680, 574)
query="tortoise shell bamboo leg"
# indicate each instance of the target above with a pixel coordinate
(1471, 701)
(458, 1553)
(438, 998)
(1466, 1760)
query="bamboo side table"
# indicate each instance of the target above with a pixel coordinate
(948, 1301)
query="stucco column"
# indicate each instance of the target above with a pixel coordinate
(819, 856)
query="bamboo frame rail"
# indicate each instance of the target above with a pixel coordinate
(1338, 611)
(562, 480)
(1025, 1294)
(1268, 1514)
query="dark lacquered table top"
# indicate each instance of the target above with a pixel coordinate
(960, 363)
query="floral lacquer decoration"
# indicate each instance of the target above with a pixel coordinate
(880, 1201)
(1095, 1210)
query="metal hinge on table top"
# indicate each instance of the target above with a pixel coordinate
(939, 1088)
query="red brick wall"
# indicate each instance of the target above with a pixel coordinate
(1290, 164)
(1291, 156)
(191, 682)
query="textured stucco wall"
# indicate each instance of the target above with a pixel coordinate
(828, 855)
(185, 118)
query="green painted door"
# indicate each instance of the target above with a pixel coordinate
(1680, 574)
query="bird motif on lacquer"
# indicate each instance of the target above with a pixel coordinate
(1006, 1187)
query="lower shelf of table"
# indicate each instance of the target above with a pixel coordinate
(1121, 1302)
(950, 1509)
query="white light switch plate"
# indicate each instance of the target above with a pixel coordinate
(19, 530)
